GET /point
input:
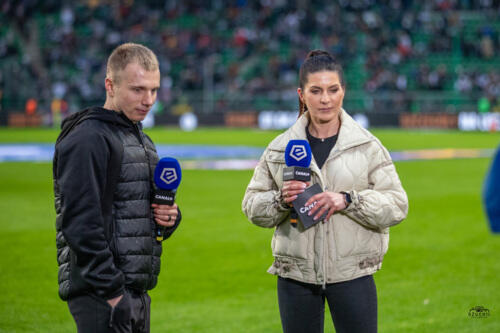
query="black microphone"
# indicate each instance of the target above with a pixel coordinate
(297, 158)
(167, 179)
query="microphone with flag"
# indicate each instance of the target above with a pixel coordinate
(167, 179)
(297, 158)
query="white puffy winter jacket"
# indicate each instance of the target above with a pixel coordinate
(352, 243)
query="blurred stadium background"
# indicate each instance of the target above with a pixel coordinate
(423, 75)
(227, 61)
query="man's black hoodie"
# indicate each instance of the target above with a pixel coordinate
(102, 171)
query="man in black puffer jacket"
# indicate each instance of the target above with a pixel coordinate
(103, 171)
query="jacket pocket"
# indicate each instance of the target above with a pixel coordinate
(292, 242)
(113, 241)
(276, 162)
(276, 156)
(352, 239)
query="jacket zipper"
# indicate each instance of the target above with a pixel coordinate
(323, 227)
(324, 257)
(139, 136)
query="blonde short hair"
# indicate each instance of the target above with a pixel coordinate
(130, 53)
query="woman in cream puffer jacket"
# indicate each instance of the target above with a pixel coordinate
(351, 241)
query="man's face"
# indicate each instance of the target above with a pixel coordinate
(135, 92)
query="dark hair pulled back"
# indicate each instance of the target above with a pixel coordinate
(317, 61)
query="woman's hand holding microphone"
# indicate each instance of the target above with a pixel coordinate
(292, 188)
(330, 202)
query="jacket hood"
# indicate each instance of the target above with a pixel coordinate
(99, 113)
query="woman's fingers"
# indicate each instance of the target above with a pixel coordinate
(325, 202)
(291, 189)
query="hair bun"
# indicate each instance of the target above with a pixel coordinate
(318, 53)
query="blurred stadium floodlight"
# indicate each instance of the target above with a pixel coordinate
(277, 119)
(188, 121)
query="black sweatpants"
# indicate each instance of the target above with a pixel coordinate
(94, 315)
(353, 306)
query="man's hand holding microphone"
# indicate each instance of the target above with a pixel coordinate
(167, 179)
(165, 215)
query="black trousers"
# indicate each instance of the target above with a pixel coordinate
(353, 306)
(94, 315)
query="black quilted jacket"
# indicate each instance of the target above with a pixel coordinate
(103, 167)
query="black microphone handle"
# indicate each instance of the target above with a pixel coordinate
(294, 217)
(162, 197)
(296, 173)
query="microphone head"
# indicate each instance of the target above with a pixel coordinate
(168, 174)
(298, 153)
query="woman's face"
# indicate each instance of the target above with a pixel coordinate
(323, 95)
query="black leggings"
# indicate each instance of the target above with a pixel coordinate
(353, 305)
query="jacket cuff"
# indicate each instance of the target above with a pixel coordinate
(168, 231)
(279, 203)
(355, 200)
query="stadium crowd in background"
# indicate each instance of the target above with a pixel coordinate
(245, 54)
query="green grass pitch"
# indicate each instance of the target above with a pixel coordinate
(442, 259)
